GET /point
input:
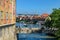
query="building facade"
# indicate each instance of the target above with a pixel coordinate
(7, 19)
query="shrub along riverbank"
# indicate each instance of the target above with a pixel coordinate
(54, 21)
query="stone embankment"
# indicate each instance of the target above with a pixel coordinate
(32, 30)
(26, 30)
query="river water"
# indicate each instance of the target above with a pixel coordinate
(32, 36)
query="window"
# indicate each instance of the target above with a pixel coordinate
(6, 15)
(10, 15)
(6, 0)
(1, 2)
(1, 14)
(10, 1)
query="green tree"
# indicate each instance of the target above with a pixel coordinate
(48, 22)
(55, 21)
(17, 19)
(55, 18)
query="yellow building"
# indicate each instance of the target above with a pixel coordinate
(7, 20)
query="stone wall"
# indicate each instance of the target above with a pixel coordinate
(26, 30)
(8, 33)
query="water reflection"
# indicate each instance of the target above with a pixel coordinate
(28, 25)
(32, 36)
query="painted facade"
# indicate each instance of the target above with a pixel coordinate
(7, 19)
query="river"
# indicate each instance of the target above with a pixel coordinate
(33, 36)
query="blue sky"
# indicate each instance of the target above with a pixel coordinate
(36, 6)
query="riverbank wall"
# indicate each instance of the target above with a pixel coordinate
(26, 30)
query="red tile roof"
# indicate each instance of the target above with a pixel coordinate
(44, 15)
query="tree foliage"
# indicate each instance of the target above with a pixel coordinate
(55, 20)
(17, 19)
(48, 22)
